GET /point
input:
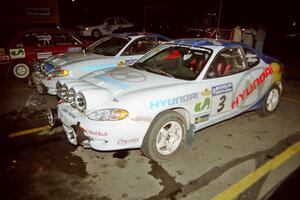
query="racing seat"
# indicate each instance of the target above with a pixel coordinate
(220, 69)
(227, 69)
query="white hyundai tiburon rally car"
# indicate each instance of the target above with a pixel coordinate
(173, 91)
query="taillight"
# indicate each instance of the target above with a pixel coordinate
(2, 51)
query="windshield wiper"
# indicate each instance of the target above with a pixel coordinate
(138, 66)
(158, 71)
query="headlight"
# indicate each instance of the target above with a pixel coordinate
(58, 73)
(71, 97)
(64, 92)
(112, 114)
(86, 28)
(80, 101)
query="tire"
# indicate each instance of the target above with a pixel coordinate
(30, 83)
(21, 70)
(155, 144)
(96, 34)
(271, 101)
(53, 117)
(41, 89)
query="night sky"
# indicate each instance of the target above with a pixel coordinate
(272, 14)
(172, 18)
(279, 18)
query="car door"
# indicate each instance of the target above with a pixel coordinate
(42, 47)
(218, 89)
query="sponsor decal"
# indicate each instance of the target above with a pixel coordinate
(74, 49)
(126, 142)
(96, 133)
(69, 113)
(253, 86)
(44, 55)
(130, 62)
(276, 72)
(200, 119)
(113, 81)
(205, 102)
(128, 76)
(17, 53)
(220, 89)
(121, 63)
(44, 38)
(173, 101)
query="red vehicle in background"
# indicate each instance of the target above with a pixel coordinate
(27, 47)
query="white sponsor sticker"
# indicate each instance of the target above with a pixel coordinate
(44, 55)
(17, 53)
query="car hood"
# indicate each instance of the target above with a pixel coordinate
(72, 57)
(120, 81)
(132, 87)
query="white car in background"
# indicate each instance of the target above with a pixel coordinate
(106, 28)
(118, 50)
(159, 102)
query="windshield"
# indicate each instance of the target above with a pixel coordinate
(176, 61)
(108, 46)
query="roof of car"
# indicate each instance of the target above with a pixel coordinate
(51, 29)
(196, 42)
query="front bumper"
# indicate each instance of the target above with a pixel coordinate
(49, 85)
(102, 135)
(37, 77)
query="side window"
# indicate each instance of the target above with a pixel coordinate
(229, 61)
(45, 39)
(64, 39)
(140, 46)
(251, 57)
(110, 21)
(30, 40)
(120, 21)
(37, 40)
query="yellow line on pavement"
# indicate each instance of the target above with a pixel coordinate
(250, 179)
(290, 99)
(28, 131)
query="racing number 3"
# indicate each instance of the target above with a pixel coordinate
(222, 103)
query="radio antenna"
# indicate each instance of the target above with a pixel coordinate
(219, 18)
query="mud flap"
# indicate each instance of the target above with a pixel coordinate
(190, 135)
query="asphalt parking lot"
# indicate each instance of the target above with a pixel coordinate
(246, 157)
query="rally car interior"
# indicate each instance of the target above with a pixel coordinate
(230, 61)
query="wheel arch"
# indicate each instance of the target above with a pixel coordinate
(180, 110)
(149, 140)
(96, 29)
